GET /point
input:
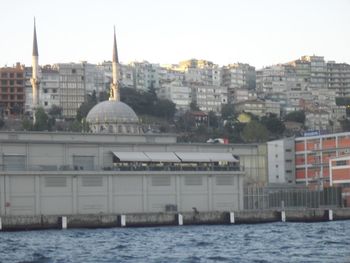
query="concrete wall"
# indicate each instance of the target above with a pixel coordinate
(82, 192)
(44, 148)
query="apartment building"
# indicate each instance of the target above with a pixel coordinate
(312, 156)
(209, 98)
(238, 76)
(176, 92)
(281, 168)
(72, 87)
(12, 90)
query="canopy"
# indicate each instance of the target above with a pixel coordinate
(132, 156)
(162, 157)
(205, 157)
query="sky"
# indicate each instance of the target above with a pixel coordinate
(258, 32)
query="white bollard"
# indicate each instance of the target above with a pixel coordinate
(180, 220)
(64, 222)
(232, 217)
(0, 224)
(122, 220)
(330, 215)
(283, 216)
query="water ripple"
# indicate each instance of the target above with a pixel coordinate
(275, 242)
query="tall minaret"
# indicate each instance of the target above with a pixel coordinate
(114, 93)
(35, 70)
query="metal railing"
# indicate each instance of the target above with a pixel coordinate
(256, 198)
(129, 167)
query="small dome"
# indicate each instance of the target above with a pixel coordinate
(111, 111)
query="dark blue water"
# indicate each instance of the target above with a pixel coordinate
(276, 242)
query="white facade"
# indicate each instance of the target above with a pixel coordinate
(281, 161)
(70, 173)
(176, 92)
(72, 87)
(209, 98)
(49, 92)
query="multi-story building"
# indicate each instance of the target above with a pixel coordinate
(255, 107)
(176, 92)
(238, 76)
(12, 90)
(145, 75)
(94, 78)
(200, 72)
(209, 98)
(242, 95)
(281, 167)
(312, 155)
(72, 87)
(338, 78)
(317, 119)
(49, 92)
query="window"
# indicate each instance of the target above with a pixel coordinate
(14, 162)
(83, 162)
(341, 163)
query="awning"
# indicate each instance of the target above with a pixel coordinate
(222, 157)
(193, 156)
(132, 156)
(205, 157)
(162, 157)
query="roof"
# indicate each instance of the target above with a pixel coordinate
(175, 157)
(111, 112)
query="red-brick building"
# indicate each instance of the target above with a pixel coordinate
(12, 90)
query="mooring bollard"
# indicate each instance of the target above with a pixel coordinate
(180, 220)
(283, 216)
(232, 217)
(64, 222)
(330, 215)
(122, 220)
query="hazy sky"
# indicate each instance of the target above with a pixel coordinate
(258, 32)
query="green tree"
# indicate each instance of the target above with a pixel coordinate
(55, 111)
(254, 132)
(41, 120)
(227, 111)
(194, 106)
(27, 124)
(297, 116)
(165, 109)
(213, 120)
(273, 124)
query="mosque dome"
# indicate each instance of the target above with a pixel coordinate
(112, 112)
(113, 117)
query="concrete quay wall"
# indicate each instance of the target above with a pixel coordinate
(14, 223)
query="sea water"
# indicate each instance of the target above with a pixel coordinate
(274, 242)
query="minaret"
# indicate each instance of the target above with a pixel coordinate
(35, 70)
(114, 92)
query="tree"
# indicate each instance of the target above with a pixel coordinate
(227, 111)
(164, 108)
(194, 106)
(254, 132)
(41, 120)
(297, 116)
(273, 124)
(213, 119)
(55, 111)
